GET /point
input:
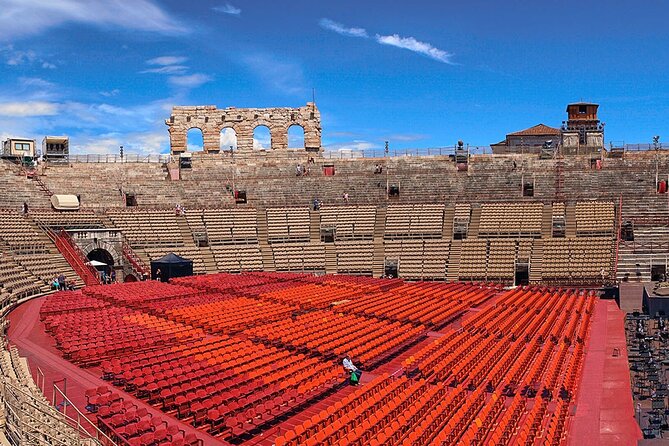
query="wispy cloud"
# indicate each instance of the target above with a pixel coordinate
(169, 69)
(351, 146)
(407, 43)
(407, 137)
(167, 60)
(331, 25)
(110, 93)
(35, 82)
(21, 18)
(278, 75)
(16, 58)
(411, 44)
(29, 108)
(190, 81)
(227, 9)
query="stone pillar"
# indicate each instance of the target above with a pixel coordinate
(177, 139)
(244, 138)
(279, 137)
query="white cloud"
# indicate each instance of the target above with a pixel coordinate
(190, 81)
(110, 93)
(15, 58)
(169, 69)
(262, 139)
(140, 143)
(351, 146)
(22, 18)
(227, 9)
(411, 44)
(278, 75)
(167, 60)
(407, 43)
(35, 82)
(331, 25)
(28, 108)
(228, 138)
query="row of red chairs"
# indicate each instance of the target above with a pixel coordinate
(69, 302)
(532, 351)
(129, 425)
(329, 333)
(88, 337)
(433, 304)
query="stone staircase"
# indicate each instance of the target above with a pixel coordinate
(474, 221)
(379, 250)
(186, 232)
(570, 220)
(209, 260)
(447, 228)
(314, 226)
(547, 222)
(453, 268)
(650, 247)
(330, 259)
(536, 260)
(265, 248)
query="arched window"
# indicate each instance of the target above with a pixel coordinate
(228, 139)
(262, 138)
(295, 137)
(195, 140)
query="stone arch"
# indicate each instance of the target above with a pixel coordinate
(259, 137)
(295, 135)
(101, 255)
(199, 136)
(228, 138)
(211, 120)
(111, 248)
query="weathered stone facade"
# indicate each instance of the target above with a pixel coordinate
(212, 120)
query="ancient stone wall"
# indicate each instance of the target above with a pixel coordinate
(212, 120)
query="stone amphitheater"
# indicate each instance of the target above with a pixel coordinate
(504, 221)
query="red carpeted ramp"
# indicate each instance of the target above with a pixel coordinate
(604, 406)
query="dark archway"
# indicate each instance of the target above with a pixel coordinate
(101, 255)
(130, 278)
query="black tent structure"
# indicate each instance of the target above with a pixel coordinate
(171, 266)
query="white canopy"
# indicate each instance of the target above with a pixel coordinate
(65, 202)
(96, 263)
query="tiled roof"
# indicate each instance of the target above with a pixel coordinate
(539, 129)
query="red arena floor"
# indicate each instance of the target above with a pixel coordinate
(255, 359)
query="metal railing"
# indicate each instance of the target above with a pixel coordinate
(160, 158)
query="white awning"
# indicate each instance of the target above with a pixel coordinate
(96, 263)
(65, 202)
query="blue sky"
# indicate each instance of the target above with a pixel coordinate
(419, 74)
